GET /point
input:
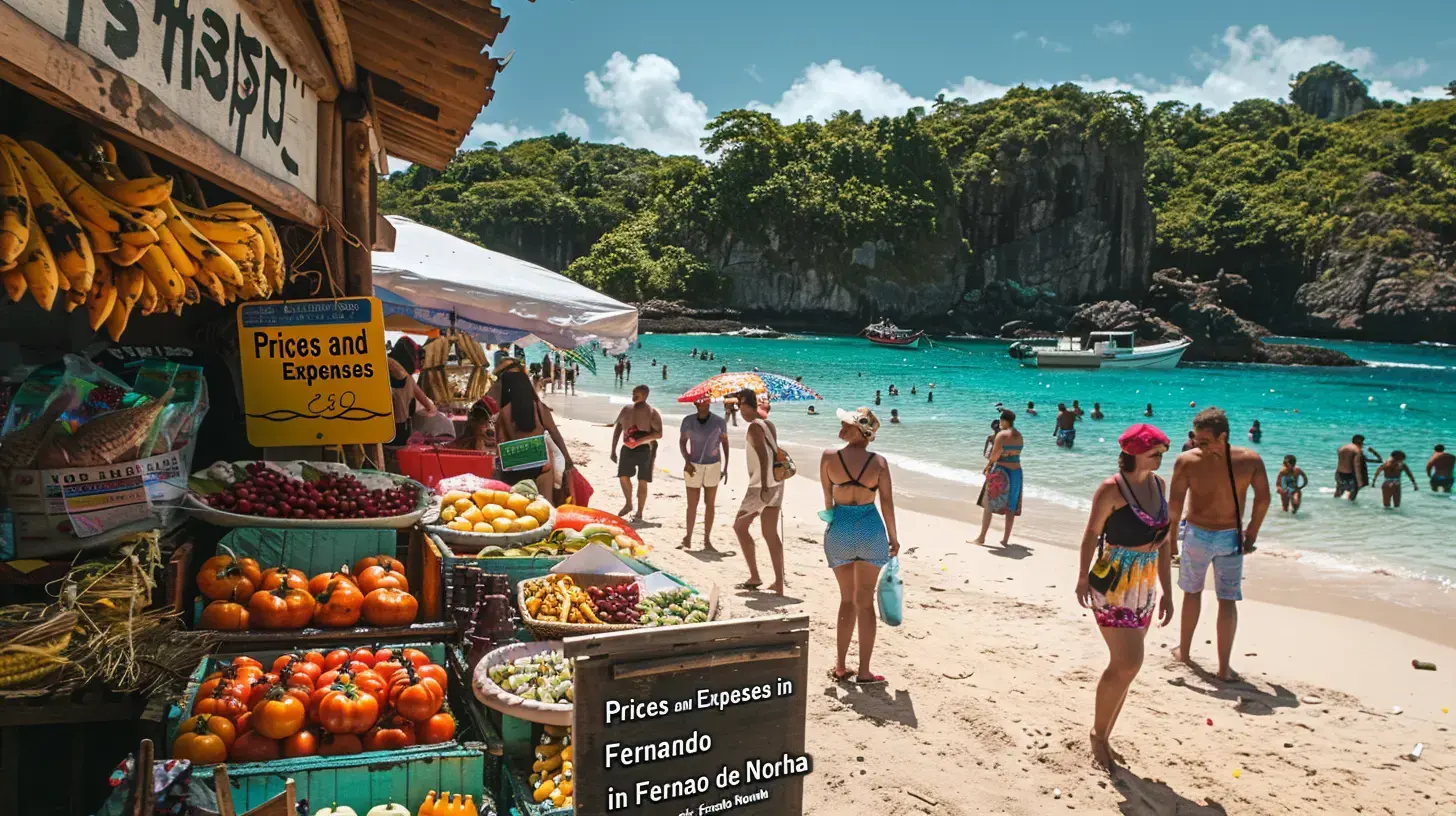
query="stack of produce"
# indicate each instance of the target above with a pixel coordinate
(674, 607)
(551, 774)
(116, 244)
(343, 702)
(495, 511)
(545, 677)
(557, 599)
(445, 806)
(600, 527)
(245, 596)
(444, 389)
(264, 490)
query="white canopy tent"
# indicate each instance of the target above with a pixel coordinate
(434, 277)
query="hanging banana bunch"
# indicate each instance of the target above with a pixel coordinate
(86, 233)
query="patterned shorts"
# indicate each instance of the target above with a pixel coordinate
(1219, 549)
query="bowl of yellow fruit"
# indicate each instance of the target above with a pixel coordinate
(492, 517)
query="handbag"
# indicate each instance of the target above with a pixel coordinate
(890, 592)
(783, 463)
(1103, 575)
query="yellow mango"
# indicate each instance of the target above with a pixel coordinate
(482, 527)
(459, 524)
(461, 505)
(472, 514)
(454, 496)
(493, 510)
(447, 513)
(501, 525)
(483, 497)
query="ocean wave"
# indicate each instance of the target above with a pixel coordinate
(1384, 364)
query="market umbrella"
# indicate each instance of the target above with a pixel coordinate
(776, 387)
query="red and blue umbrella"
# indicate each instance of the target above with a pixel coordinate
(776, 387)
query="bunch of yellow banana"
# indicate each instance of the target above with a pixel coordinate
(117, 244)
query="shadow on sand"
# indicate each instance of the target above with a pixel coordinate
(767, 601)
(1015, 552)
(1250, 698)
(878, 703)
(710, 556)
(1145, 797)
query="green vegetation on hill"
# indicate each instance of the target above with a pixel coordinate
(1260, 189)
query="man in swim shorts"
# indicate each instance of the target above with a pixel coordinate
(1352, 467)
(1066, 432)
(1212, 482)
(1439, 468)
(638, 426)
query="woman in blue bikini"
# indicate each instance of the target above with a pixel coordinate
(857, 542)
(1001, 492)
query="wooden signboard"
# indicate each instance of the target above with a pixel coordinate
(209, 62)
(692, 719)
(315, 372)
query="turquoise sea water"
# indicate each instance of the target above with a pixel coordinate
(1405, 398)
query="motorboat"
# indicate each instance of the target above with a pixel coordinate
(885, 333)
(1101, 350)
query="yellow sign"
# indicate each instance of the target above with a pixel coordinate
(314, 372)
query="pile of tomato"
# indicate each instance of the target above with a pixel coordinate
(315, 704)
(243, 595)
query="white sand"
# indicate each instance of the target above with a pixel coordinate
(992, 675)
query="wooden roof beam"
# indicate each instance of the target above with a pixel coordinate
(486, 22)
(336, 33)
(434, 32)
(290, 31)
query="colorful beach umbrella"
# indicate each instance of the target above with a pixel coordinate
(776, 387)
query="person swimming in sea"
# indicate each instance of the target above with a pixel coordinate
(912, 390)
(930, 396)
(1031, 409)
(1290, 483)
(1352, 466)
(1255, 432)
(894, 416)
(1077, 409)
(1147, 412)
(1389, 474)
(877, 397)
(812, 412)
(1096, 411)
(1439, 469)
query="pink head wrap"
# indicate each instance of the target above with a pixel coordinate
(1141, 438)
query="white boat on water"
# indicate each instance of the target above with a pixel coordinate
(1102, 350)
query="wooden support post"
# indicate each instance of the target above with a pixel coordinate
(331, 191)
(358, 208)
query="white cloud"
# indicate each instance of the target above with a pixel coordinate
(642, 105)
(572, 125)
(1405, 69)
(502, 133)
(1116, 28)
(398, 165)
(1020, 35)
(824, 90)
(1053, 45)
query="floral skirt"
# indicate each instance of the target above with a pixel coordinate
(1001, 492)
(1130, 601)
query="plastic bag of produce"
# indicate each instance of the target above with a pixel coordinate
(891, 593)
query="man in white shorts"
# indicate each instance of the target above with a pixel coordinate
(703, 441)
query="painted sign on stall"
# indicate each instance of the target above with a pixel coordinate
(678, 720)
(315, 372)
(211, 63)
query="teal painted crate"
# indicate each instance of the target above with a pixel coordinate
(180, 709)
(365, 780)
(312, 551)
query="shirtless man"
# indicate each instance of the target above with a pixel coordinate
(1065, 432)
(638, 426)
(1352, 470)
(1439, 469)
(1215, 511)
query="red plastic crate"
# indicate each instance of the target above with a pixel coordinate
(428, 464)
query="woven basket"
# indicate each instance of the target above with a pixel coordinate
(552, 630)
(493, 696)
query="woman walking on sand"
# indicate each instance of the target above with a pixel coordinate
(1001, 492)
(1126, 535)
(857, 542)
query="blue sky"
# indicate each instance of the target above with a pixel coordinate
(650, 73)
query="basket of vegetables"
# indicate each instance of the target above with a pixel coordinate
(554, 607)
(530, 681)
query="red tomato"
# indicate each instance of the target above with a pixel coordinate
(304, 743)
(346, 709)
(364, 655)
(254, 747)
(340, 745)
(392, 733)
(439, 728)
(335, 659)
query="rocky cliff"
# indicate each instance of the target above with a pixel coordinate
(1330, 91)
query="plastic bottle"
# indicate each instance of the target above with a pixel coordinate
(427, 807)
(457, 808)
(470, 809)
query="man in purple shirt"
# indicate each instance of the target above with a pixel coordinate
(703, 441)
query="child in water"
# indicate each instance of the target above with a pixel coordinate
(1389, 474)
(1255, 432)
(1290, 484)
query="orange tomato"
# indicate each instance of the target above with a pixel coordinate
(382, 577)
(204, 739)
(340, 745)
(380, 560)
(274, 577)
(346, 709)
(281, 608)
(338, 605)
(254, 747)
(304, 743)
(388, 606)
(390, 734)
(228, 616)
(415, 697)
(317, 583)
(279, 715)
(223, 578)
(439, 728)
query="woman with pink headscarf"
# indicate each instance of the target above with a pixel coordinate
(1126, 557)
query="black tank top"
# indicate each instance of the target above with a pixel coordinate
(1126, 527)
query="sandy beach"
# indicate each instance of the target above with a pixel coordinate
(991, 677)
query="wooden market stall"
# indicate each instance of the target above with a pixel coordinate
(163, 163)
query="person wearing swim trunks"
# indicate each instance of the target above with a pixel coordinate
(1096, 411)
(1391, 471)
(1001, 491)
(764, 498)
(857, 542)
(638, 427)
(1212, 482)
(1290, 483)
(1439, 469)
(703, 442)
(1352, 466)
(1066, 432)
(1126, 558)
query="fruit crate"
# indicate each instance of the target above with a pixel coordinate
(317, 550)
(515, 569)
